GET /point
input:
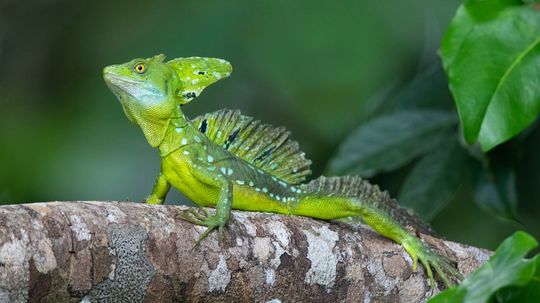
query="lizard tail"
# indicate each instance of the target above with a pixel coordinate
(370, 196)
(341, 197)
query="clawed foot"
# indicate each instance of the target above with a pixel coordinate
(200, 216)
(430, 259)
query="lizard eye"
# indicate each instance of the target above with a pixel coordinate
(140, 68)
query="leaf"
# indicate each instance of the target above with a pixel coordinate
(491, 54)
(451, 295)
(387, 142)
(427, 90)
(527, 293)
(495, 190)
(433, 181)
(505, 268)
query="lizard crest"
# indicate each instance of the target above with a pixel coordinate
(151, 90)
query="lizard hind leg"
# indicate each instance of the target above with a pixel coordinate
(431, 261)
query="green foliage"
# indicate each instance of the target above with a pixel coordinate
(491, 53)
(506, 277)
(433, 181)
(495, 190)
(390, 141)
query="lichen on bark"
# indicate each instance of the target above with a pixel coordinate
(130, 252)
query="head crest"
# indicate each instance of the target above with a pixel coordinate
(196, 73)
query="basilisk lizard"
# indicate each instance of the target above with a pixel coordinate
(230, 161)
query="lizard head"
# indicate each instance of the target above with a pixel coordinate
(151, 91)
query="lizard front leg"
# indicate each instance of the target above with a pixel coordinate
(160, 190)
(223, 211)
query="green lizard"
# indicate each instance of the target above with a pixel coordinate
(230, 161)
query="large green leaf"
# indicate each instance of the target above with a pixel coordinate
(507, 267)
(434, 180)
(390, 141)
(491, 54)
(527, 293)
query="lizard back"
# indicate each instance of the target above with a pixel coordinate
(264, 146)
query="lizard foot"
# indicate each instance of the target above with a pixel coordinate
(200, 216)
(431, 260)
(153, 200)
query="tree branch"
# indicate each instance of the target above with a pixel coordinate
(129, 252)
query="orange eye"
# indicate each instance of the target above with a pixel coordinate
(140, 68)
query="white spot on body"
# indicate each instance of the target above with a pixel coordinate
(323, 260)
(223, 170)
(216, 75)
(210, 159)
(197, 139)
(183, 141)
(275, 300)
(186, 152)
(179, 129)
(265, 190)
(251, 183)
(220, 277)
(194, 81)
(240, 182)
(229, 171)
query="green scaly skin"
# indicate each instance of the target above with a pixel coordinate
(152, 92)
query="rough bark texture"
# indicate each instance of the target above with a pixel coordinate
(129, 252)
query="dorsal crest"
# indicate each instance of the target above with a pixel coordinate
(264, 146)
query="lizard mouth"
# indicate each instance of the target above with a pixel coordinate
(119, 85)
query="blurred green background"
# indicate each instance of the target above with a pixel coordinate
(315, 67)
